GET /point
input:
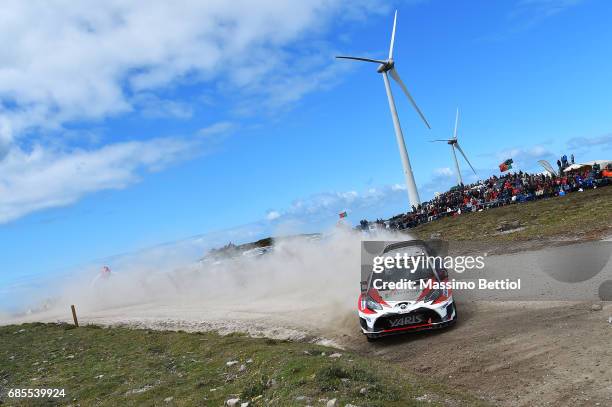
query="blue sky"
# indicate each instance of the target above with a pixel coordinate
(123, 127)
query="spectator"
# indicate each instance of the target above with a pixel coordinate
(496, 191)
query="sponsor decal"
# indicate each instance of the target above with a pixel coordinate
(407, 320)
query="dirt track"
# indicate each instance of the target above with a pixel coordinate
(513, 353)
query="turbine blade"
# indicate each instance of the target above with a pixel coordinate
(433, 141)
(397, 79)
(464, 156)
(456, 122)
(392, 36)
(377, 61)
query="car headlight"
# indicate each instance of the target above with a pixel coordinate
(373, 305)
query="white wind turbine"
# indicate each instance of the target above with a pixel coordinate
(385, 66)
(454, 143)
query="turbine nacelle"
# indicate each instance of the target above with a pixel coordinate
(386, 66)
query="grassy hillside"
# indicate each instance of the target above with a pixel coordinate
(585, 214)
(117, 366)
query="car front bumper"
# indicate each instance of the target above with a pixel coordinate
(436, 317)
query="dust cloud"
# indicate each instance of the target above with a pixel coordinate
(300, 282)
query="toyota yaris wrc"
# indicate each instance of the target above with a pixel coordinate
(399, 299)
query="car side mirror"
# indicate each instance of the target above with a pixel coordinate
(364, 286)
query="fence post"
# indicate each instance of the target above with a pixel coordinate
(74, 316)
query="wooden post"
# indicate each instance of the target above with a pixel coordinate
(74, 317)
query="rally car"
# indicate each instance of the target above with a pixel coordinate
(391, 311)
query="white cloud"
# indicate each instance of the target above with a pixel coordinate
(53, 175)
(526, 156)
(581, 143)
(152, 106)
(45, 178)
(445, 171)
(273, 215)
(63, 61)
(327, 205)
(217, 129)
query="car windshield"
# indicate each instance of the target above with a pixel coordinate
(398, 275)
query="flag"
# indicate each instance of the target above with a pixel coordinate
(547, 167)
(343, 214)
(506, 165)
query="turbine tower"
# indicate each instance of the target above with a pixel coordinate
(454, 143)
(388, 66)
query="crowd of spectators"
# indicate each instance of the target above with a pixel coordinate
(496, 191)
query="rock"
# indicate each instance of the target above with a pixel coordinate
(249, 360)
(335, 355)
(242, 368)
(99, 376)
(232, 402)
(508, 225)
(350, 405)
(332, 403)
(301, 398)
(245, 404)
(596, 307)
(363, 390)
(168, 399)
(271, 383)
(231, 363)
(139, 391)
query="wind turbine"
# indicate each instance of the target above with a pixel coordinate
(388, 66)
(454, 143)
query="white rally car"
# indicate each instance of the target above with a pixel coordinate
(391, 311)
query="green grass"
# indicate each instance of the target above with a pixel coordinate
(120, 366)
(585, 215)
